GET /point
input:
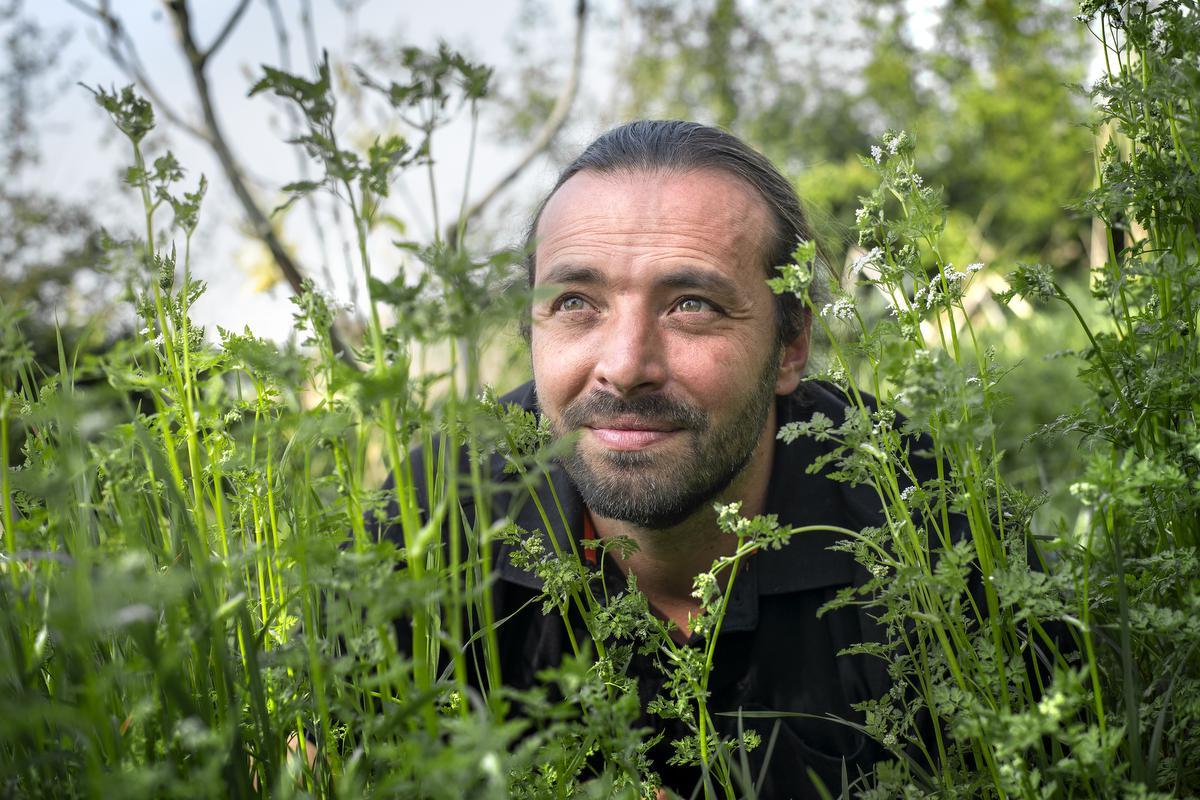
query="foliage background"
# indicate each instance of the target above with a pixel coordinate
(987, 90)
(985, 87)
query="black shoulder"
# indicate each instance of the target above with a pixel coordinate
(524, 395)
(815, 396)
(428, 464)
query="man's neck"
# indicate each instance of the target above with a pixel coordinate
(666, 561)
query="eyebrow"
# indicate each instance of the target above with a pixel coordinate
(698, 280)
(570, 273)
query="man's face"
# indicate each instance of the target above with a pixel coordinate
(657, 341)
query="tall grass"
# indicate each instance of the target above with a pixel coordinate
(197, 601)
(1027, 662)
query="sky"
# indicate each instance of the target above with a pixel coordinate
(82, 157)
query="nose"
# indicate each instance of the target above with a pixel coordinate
(632, 355)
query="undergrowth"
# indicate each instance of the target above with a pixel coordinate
(195, 600)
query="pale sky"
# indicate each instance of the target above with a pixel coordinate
(82, 157)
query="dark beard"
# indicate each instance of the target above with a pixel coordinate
(655, 491)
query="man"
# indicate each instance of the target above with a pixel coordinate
(660, 351)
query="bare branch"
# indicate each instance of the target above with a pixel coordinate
(546, 134)
(230, 24)
(123, 53)
(258, 220)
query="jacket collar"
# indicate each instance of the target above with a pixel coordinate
(794, 495)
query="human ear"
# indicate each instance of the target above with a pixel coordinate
(793, 356)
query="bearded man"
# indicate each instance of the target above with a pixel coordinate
(662, 356)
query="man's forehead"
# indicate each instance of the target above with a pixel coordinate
(697, 203)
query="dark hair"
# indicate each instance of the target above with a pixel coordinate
(647, 145)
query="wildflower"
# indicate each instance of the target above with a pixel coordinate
(871, 258)
(490, 766)
(793, 278)
(333, 303)
(973, 268)
(841, 309)
(894, 140)
(836, 375)
(706, 587)
(877, 153)
(927, 297)
(1053, 705)
(860, 216)
(953, 276)
(1158, 35)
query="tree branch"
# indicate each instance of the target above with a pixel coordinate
(230, 24)
(117, 37)
(545, 135)
(258, 220)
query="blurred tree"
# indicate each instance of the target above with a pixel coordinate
(984, 85)
(50, 260)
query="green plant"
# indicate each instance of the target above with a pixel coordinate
(193, 582)
(1060, 664)
(194, 587)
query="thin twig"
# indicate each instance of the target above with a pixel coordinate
(259, 222)
(545, 136)
(130, 63)
(230, 24)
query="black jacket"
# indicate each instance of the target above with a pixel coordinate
(773, 653)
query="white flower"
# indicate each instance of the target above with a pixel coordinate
(868, 259)
(927, 297)
(877, 153)
(893, 140)
(705, 586)
(490, 766)
(1158, 34)
(841, 308)
(953, 276)
(973, 268)
(333, 303)
(1053, 705)
(860, 216)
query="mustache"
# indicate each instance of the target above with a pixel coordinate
(600, 407)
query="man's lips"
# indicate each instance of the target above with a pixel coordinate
(630, 434)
